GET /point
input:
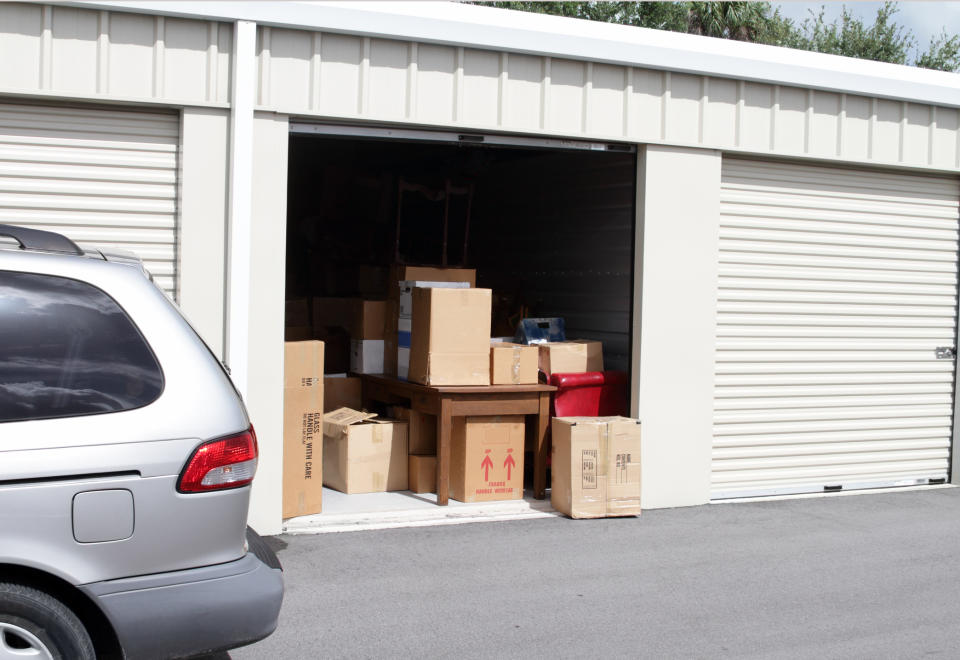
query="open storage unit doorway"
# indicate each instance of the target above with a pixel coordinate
(548, 225)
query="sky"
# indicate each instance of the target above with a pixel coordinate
(924, 17)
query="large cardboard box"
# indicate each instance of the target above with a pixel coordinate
(571, 357)
(363, 454)
(362, 319)
(486, 458)
(342, 392)
(595, 466)
(513, 364)
(422, 472)
(302, 428)
(450, 337)
(421, 429)
(366, 356)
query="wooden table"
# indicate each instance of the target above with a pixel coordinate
(447, 402)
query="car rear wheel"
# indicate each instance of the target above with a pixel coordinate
(35, 625)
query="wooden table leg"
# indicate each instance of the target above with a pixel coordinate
(444, 431)
(540, 448)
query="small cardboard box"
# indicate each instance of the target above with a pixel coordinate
(486, 458)
(513, 364)
(450, 337)
(571, 357)
(422, 473)
(422, 429)
(399, 273)
(302, 428)
(366, 356)
(405, 310)
(595, 466)
(363, 454)
(342, 392)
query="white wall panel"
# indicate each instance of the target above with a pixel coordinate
(341, 62)
(481, 87)
(100, 55)
(720, 120)
(387, 84)
(521, 99)
(436, 83)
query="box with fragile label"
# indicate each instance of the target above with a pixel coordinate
(422, 473)
(366, 356)
(486, 458)
(571, 357)
(513, 364)
(363, 454)
(302, 428)
(450, 337)
(595, 466)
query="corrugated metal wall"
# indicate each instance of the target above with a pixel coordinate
(102, 55)
(363, 78)
(103, 177)
(836, 288)
(558, 227)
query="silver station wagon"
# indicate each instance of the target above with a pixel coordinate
(126, 458)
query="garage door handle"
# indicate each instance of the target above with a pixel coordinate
(946, 353)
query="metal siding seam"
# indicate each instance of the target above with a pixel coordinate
(458, 86)
(841, 120)
(903, 131)
(808, 122)
(46, 47)
(411, 105)
(704, 100)
(931, 132)
(738, 130)
(263, 88)
(364, 82)
(316, 67)
(159, 53)
(103, 52)
(212, 57)
(502, 89)
(627, 99)
(872, 129)
(774, 111)
(585, 102)
(664, 103)
(545, 82)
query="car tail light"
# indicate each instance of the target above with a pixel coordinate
(223, 463)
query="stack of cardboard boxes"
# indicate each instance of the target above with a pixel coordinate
(434, 329)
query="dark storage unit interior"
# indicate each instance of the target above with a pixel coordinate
(550, 231)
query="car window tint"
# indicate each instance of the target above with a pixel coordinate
(66, 349)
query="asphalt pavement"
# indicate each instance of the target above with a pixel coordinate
(865, 576)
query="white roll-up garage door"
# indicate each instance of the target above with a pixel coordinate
(103, 177)
(837, 288)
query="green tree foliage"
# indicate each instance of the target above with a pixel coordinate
(882, 40)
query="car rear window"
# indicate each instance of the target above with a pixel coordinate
(68, 349)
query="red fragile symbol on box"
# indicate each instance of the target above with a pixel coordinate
(486, 465)
(509, 463)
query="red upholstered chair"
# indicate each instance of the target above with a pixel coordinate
(591, 394)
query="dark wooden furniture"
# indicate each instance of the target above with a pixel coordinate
(449, 402)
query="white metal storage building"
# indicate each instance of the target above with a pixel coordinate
(794, 279)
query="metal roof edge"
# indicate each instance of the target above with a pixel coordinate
(522, 32)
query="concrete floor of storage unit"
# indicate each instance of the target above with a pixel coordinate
(343, 512)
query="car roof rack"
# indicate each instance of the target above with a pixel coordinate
(36, 239)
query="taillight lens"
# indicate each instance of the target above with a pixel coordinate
(223, 463)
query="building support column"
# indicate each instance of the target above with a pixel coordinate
(675, 309)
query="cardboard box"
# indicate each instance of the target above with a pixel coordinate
(363, 454)
(513, 364)
(302, 428)
(450, 337)
(362, 319)
(422, 473)
(595, 466)
(297, 313)
(571, 357)
(399, 273)
(421, 429)
(404, 328)
(406, 293)
(390, 337)
(486, 458)
(366, 356)
(342, 392)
